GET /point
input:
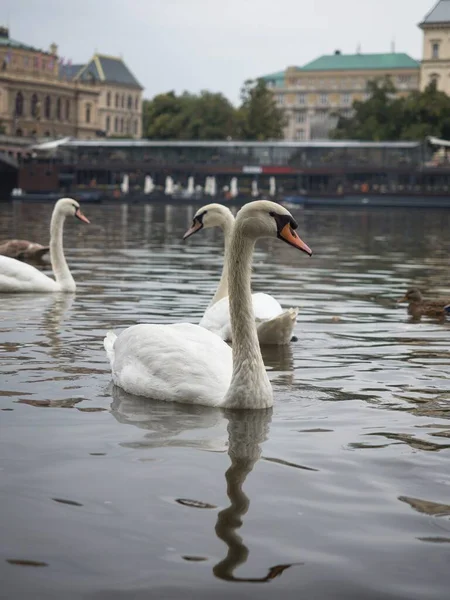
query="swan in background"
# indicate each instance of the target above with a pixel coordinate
(16, 276)
(187, 363)
(23, 250)
(274, 325)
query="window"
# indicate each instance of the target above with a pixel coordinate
(58, 109)
(47, 134)
(43, 64)
(136, 103)
(19, 104)
(34, 106)
(67, 110)
(130, 102)
(135, 127)
(435, 50)
(301, 99)
(121, 125)
(35, 62)
(434, 78)
(26, 62)
(300, 117)
(108, 123)
(19, 132)
(300, 135)
(323, 99)
(116, 125)
(279, 98)
(117, 100)
(404, 79)
(123, 101)
(47, 107)
(88, 113)
(108, 99)
(345, 99)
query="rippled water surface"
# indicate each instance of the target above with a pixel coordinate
(341, 492)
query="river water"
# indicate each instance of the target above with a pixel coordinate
(342, 491)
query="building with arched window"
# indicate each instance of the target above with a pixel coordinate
(41, 94)
(436, 47)
(120, 94)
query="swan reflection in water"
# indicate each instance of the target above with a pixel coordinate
(246, 431)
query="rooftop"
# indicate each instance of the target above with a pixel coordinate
(108, 69)
(362, 62)
(440, 13)
(5, 40)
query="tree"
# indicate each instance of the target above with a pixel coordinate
(259, 117)
(208, 116)
(384, 117)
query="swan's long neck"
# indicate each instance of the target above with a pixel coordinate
(222, 288)
(250, 387)
(57, 258)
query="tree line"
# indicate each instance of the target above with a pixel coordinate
(386, 117)
(211, 116)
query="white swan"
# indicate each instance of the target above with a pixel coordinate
(187, 363)
(16, 276)
(274, 325)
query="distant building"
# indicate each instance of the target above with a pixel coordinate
(436, 47)
(120, 100)
(314, 95)
(41, 98)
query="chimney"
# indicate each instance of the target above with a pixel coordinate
(53, 49)
(4, 32)
(337, 52)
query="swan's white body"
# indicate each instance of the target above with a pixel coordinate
(187, 363)
(20, 277)
(274, 324)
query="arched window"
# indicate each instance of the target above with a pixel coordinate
(136, 103)
(19, 132)
(67, 110)
(19, 104)
(123, 100)
(116, 125)
(117, 100)
(34, 106)
(47, 107)
(108, 99)
(88, 113)
(108, 123)
(121, 125)
(130, 102)
(58, 109)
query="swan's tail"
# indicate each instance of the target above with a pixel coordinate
(277, 331)
(108, 343)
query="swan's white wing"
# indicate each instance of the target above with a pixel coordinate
(265, 306)
(17, 276)
(175, 363)
(217, 317)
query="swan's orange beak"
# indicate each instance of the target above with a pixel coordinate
(79, 215)
(195, 227)
(290, 236)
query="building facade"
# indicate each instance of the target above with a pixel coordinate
(313, 96)
(39, 98)
(436, 47)
(119, 111)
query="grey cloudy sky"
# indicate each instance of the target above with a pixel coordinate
(214, 44)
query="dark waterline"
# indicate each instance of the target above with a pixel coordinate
(342, 491)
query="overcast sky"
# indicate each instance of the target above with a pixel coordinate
(214, 44)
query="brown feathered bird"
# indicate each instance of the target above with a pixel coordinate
(419, 307)
(23, 250)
